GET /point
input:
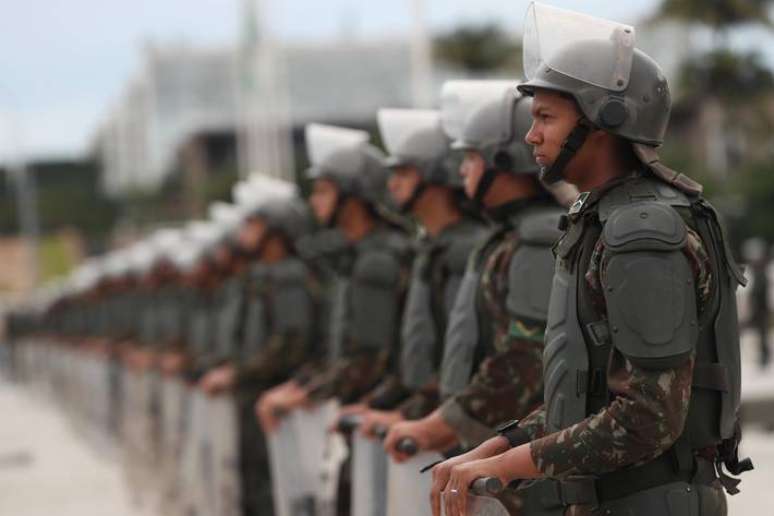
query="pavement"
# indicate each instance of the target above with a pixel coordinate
(47, 467)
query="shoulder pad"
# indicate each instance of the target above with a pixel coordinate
(393, 241)
(291, 270)
(540, 228)
(530, 275)
(651, 307)
(377, 267)
(461, 248)
(639, 190)
(488, 239)
(644, 226)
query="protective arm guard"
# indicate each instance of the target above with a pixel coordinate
(649, 286)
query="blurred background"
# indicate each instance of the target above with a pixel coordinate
(117, 118)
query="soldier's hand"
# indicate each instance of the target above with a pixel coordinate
(430, 433)
(273, 404)
(459, 479)
(442, 471)
(378, 419)
(352, 409)
(218, 380)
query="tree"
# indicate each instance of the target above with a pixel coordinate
(479, 49)
(720, 15)
(738, 78)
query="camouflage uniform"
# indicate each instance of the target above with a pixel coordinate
(439, 264)
(642, 410)
(376, 273)
(508, 380)
(281, 325)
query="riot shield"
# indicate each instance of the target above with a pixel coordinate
(481, 501)
(408, 490)
(369, 477)
(224, 430)
(480, 506)
(290, 491)
(173, 392)
(197, 492)
(322, 454)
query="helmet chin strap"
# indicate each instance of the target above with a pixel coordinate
(407, 206)
(334, 218)
(483, 186)
(575, 140)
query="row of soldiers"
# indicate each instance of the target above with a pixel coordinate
(435, 302)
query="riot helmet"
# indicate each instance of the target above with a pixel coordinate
(344, 157)
(415, 138)
(617, 87)
(491, 118)
(277, 204)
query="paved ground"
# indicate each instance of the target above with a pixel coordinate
(47, 468)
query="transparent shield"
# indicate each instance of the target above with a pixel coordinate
(592, 50)
(396, 125)
(462, 99)
(323, 140)
(479, 506)
(408, 490)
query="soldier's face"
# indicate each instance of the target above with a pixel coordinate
(553, 118)
(323, 200)
(250, 234)
(402, 184)
(471, 170)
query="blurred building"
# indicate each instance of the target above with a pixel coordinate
(185, 102)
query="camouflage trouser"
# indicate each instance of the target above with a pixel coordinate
(676, 499)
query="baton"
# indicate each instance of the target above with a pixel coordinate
(407, 446)
(486, 486)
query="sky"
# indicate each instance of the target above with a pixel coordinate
(63, 63)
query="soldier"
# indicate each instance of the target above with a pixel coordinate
(641, 359)
(368, 293)
(279, 318)
(349, 190)
(498, 321)
(425, 183)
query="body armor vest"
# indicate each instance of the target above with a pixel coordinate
(435, 280)
(469, 336)
(578, 341)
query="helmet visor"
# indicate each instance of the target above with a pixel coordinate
(324, 140)
(592, 50)
(397, 126)
(461, 100)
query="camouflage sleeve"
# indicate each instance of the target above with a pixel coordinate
(649, 406)
(282, 355)
(645, 418)
(507, 386)
(388, 394)
(422, 402)
(534, 425)
(350, 378)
